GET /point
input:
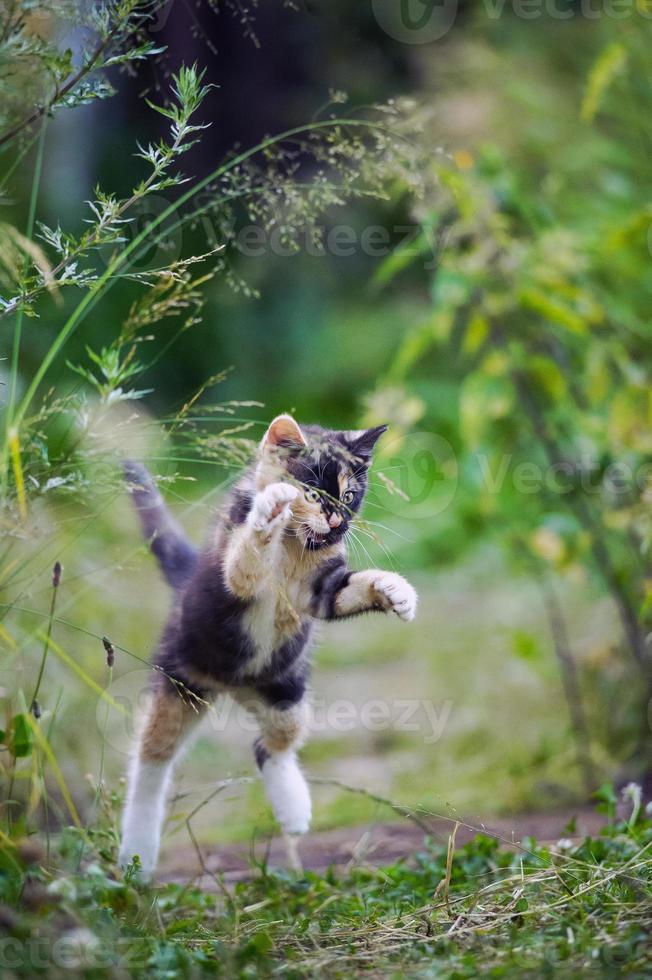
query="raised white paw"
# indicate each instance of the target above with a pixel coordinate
(271, 507)
(396, 595)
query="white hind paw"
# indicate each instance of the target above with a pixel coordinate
(288, 793)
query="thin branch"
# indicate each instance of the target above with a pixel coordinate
(61, 93)
(570, 681)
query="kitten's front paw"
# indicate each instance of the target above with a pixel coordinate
(397, 595)
(271, 508)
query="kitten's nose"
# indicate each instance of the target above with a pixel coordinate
(335, 520)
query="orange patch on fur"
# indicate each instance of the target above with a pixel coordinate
(168, 719)
(283, 733)
(286, 619)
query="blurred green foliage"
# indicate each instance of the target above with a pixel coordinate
(540, 310)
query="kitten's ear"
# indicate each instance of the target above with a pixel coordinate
(285, 432)
(363, 443)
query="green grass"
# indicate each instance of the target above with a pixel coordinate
(483, 909)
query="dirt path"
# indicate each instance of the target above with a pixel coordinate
(374, 844)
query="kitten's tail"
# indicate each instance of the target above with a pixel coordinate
(175, 553)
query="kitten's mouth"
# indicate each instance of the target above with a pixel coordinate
(316, 540)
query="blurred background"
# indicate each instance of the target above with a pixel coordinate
(496, 316)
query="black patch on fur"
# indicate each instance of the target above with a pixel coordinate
(240, 505)
(261, 754)
(205, 633)
(174, 552)
(319, 466)
(333, 576)
(364, 445)
(285, 691)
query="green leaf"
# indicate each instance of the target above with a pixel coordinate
(484, 399)
(257, 947)
(179, 925)
(451, 289)
(404, 256)
(476, 333)
(553, 310)
(85, 93)
(21, 737)
(525, 645)
(146, 50)
(607, 799)
(546, 373)
(417, 343)
(609, 64)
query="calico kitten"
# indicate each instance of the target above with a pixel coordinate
(244, 611)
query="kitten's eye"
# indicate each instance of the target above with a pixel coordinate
(312, 494)
(347, 496)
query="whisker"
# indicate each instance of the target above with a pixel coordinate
(390, 529)
(366, 553)
(377, 540)
(352, 538)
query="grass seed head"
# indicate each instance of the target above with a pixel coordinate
(110, 652)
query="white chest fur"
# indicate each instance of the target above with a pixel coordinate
(276, 613)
